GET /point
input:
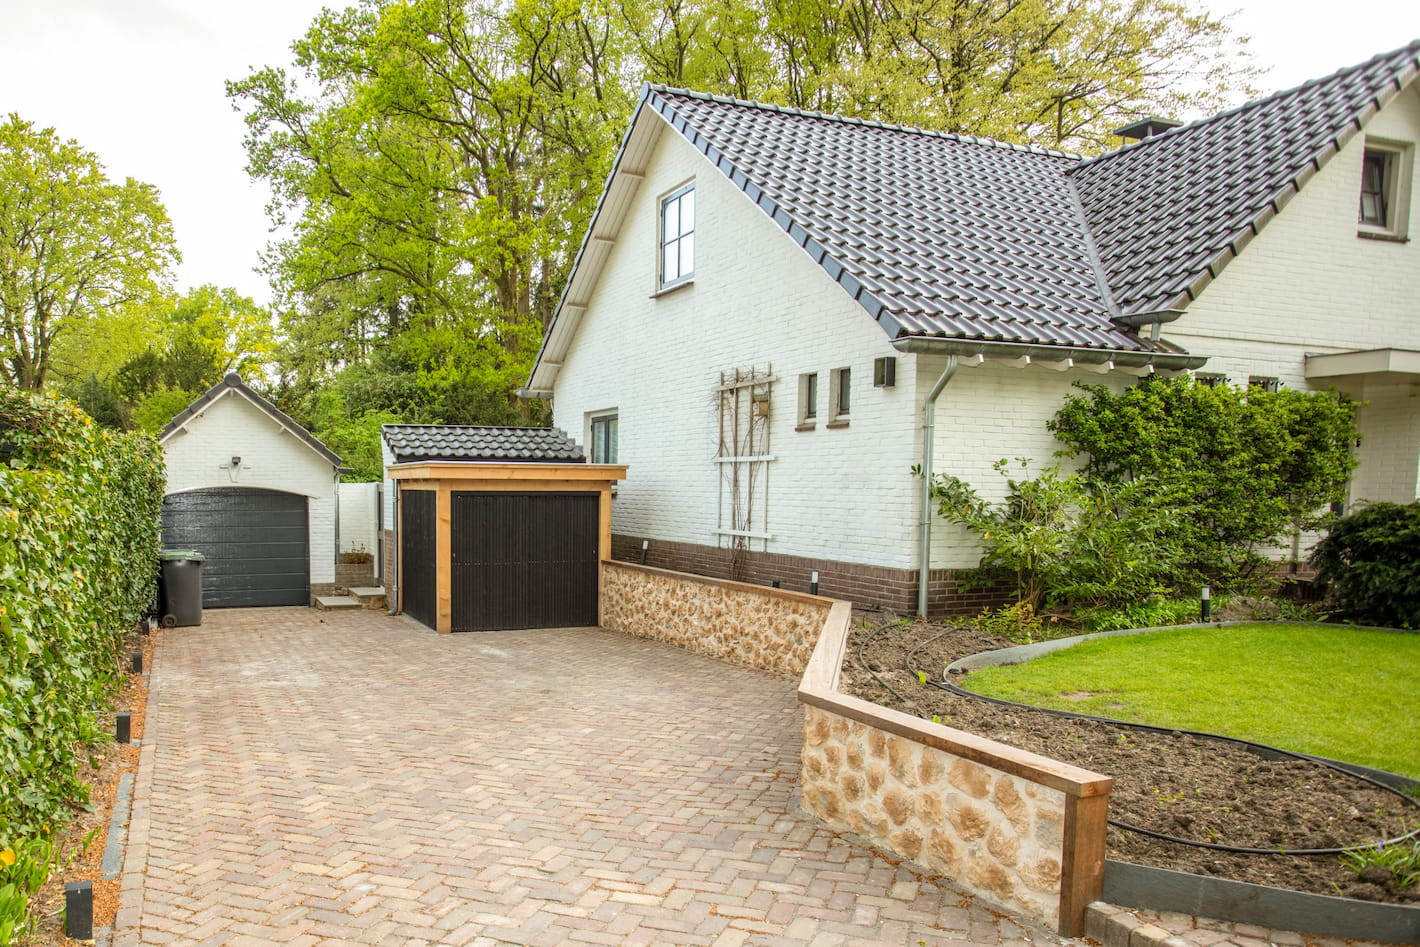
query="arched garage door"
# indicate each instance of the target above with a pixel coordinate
(256, 542)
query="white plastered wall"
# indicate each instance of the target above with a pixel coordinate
(199, 455)
(1307, 284)
(759, 302)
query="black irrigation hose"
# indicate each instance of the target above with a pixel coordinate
(1246, 744)
(867, 639)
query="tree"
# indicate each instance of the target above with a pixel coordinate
(438, 161)
(1243, 468)
(73, 246)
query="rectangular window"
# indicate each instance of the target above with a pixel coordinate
(1386, 169)
(808, 399)
(603, 438)
(678, 237)
(840, 392)
(1376, 169)
(884, 372)
(1210, 381)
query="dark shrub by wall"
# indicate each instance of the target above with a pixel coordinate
(1369, 565)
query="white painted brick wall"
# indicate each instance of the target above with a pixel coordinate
(199, 456)
(758, 300)
(1308, 284)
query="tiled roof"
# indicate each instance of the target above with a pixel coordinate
(233, 383)
(934, 234)
(1163, 210)
(435, 442)
(947, 236)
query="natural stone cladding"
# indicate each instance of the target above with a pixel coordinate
(996, 833)
(769, 629)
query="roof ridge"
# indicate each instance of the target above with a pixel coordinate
(1412, 47)
(854, 120)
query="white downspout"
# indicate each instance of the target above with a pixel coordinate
(929, 425)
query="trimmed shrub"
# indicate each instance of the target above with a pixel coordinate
(1369, 565)
(79, 513)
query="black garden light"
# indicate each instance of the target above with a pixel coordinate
(79, 910)
(1204, 604)
(123, 728)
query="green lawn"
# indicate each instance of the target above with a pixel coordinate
(1346, 693)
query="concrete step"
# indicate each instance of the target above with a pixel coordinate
(332, 603)
(370, 596)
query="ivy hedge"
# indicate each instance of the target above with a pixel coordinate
(79, 513)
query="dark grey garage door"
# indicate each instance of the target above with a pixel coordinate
(523, 560)
(256, 543)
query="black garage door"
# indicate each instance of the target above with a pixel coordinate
(256, 543)
(523, 560)
(418, 551)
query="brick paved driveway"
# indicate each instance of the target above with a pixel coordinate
(348, 777)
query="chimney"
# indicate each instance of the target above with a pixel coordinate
(1146, 128)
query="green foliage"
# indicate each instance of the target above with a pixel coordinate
(436, 163)
(73, 246)
(1062, 544)
(1152, 612)
(24, 868)
(1401, 859)
(79, 508)
(1369, 565)
(1019, 623)
(1238, 469)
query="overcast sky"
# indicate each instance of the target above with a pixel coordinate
(140, 83)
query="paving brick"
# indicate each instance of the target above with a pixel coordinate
(347, 777)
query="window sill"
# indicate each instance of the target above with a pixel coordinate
(1385, 236)
(837, 423)
(672, 287)
(805, 426)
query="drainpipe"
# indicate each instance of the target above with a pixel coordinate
(929, 425)
(392, 592)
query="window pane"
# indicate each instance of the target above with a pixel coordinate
(670, 226)
(670, 263)
(687, 212)
(810, 396)
(611, 440)
(844, 376)
(687, 254)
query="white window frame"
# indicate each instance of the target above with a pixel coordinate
(1395, 189)
(683, 238)
(604, 420)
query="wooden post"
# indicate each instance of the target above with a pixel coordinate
(1082, 860)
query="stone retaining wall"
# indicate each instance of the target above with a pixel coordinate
(1021, 829)
(767, 628)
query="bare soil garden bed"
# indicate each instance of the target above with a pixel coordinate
(1170, 783)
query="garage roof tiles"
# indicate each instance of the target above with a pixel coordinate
(454, 442)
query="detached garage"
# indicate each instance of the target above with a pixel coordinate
(256, 494)
(498, 528)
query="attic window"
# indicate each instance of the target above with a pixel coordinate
(1385, 201)
(677, 263)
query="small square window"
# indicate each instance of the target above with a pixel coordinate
(884, 372)
(677, 263)
(840, 394)
(1210, 380)
(808, 399)
(603, 438)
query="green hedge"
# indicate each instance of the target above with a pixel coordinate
(79, 512)
(1369, 565)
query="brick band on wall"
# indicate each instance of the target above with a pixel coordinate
(864, 585)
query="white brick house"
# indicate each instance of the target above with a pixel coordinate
(804, 251)
(256, 494)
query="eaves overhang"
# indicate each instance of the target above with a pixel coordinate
(1058, 356)
(1369, 362)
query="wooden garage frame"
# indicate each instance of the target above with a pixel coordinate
(444, 478)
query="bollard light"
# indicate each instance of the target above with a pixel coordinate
(774, 584)
(138, 662)
(813, 583)
(79, 910)
(645, 545)
(1204, 605)
(123, 728)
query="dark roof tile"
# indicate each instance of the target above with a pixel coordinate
(458, 442)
